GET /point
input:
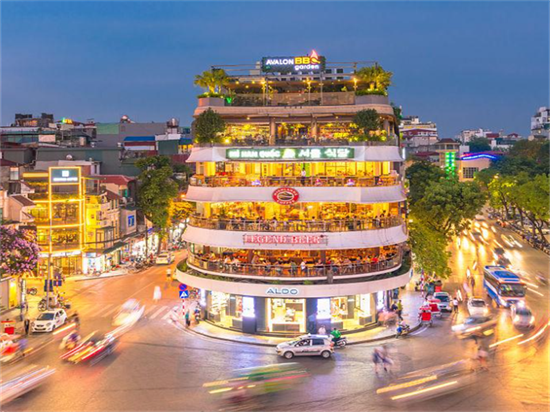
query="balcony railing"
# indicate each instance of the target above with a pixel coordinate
(297, 141)
(294, 99)
(330, 271)
(332, 225)
(316, 181)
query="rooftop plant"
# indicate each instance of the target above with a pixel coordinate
(376, 77)
(213, 81)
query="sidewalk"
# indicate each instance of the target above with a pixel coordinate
(411, 303)
(111, 274)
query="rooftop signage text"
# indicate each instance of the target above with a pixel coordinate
(285, 239)
(291, 153)
(64, 175)
(296, 63)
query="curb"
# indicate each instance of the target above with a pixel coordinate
(102, 277)
(381, 338)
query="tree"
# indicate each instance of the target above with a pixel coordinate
(367, 121)
(430, 249)
(213, 80)
(18, 251)
(156, 191)
(448, 206)
(209, 127)
(376, 77)
(420, 174)
(479, 144)
(533, 198)
(180, 211)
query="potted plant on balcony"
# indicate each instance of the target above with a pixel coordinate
(209, 127)
(378, 80)
(369, 126)
(213, 81)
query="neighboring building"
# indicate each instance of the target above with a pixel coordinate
(59, 216)
(417, 136)
(540, 123)
(45, 131)
(288, 229)
(469, 164)
(114, 134)
(466, 135)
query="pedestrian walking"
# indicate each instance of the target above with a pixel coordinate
(322, 330)
(472, 283)
(399, 310)
(26, 325)
(311, 321)
(187, 319)
(157, 294)
(376, 359)
(455, 306)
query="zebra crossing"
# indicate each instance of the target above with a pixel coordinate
(107, 310)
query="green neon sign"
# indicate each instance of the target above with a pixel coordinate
(291, 153)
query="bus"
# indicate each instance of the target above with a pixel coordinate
(503, 286)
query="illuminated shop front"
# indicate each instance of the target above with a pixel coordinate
(288, 316)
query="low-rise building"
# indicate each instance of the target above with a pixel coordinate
(417, 136)
(540, 123)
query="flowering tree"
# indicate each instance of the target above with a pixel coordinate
(18, 251)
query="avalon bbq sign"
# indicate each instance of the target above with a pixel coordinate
(293, 63)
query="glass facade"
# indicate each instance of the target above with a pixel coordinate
(288, 316)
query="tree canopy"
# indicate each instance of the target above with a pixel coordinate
(420, 175)
(156, 191)
(213, 81)
(479, 144)
(209, 127)
(430, 249)
(376, 77)
(18, 251)
(367, 121)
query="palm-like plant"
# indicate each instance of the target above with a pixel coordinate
(376, 77)
(213, 80)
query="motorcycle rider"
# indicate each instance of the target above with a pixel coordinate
(402, 329)
(336, 335)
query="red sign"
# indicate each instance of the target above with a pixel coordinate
(285, 239)
(286, 196)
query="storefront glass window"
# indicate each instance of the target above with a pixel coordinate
(287, 315)
(226, 310)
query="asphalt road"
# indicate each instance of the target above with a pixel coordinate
(158, 366)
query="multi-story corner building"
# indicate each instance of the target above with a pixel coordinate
(296, 221)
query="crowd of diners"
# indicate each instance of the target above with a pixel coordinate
(323, 216)
(278, 263)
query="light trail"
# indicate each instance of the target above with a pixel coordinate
(536, 335)
(506, 340)
(497, 242)
(433, 388)
(534, 291)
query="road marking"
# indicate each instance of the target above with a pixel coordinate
(169, 313)
(104, 308)
(111, 311)
(148, 311)
(154, 315)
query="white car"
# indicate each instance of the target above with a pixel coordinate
(445, 301)
(49, 320)
(306, 345)
(130, 312)
(164, 258)
(521, 315)
(477, 307)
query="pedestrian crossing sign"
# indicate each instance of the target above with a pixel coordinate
(184, 294)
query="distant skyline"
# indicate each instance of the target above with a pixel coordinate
(460, 64)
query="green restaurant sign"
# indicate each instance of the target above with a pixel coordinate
(291, 153)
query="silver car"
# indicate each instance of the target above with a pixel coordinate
(306, 345)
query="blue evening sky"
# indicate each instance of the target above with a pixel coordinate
(460, 64)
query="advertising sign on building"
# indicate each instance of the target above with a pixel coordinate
(293, 63)
(69, 175)
(285, 239)
(285, 196)
(291, 153)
